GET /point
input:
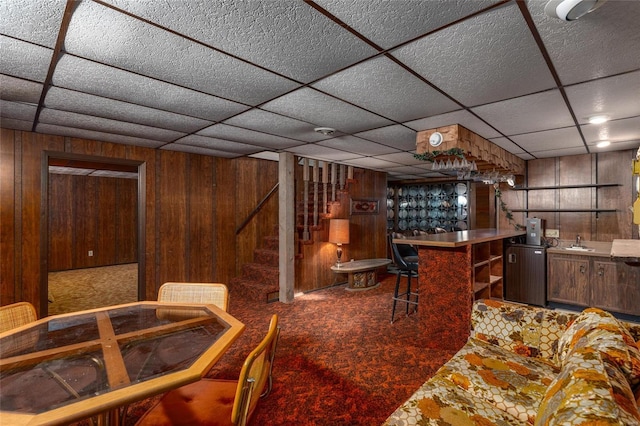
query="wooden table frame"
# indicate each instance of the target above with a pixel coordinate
(361, 273)
(124, 392)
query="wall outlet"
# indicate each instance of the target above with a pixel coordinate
(552, 233)
(90, 253)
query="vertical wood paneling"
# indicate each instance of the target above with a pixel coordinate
(201, 214)
(106, 208)
(576, 170)
(85, 221)
(126, 218)
(7, 217)
(61, 225)
(225, 219)
(612, 168)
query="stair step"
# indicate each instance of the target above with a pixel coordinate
(271, 243)
(256, 291)
(266, 257)
(269, 275)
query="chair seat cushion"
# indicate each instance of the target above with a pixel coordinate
(206, 402)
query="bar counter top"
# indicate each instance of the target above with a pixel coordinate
(459, 238)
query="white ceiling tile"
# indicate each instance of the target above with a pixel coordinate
(17, 110)
(405, 170)
(405, 158)
(600, 43)
(321, 153)
(232, 133)
(53, 129)
(371, 163)
(12, 123)
(508, 145)
(378, 83)
(614, 131)
(615, 97)
(550, 139)
(396, 136)
(101, 80)
(34, 21)
(199, 150)
(389, 23)
(219, 144)
(461, 117)
(24, 60)
(546, 110)
(16, 89)
(484, 59)
(268, 122)
(101, 34)
(98, 124)
(294, 40)
(83, 103)
(314, 107)
(559, 151)
(618, 146)
(356, 145)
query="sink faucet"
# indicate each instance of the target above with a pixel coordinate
(578, 240)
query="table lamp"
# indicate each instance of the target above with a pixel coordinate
(339, 235)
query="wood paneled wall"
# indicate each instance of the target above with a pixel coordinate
(89, 213)
(602, 168)
(192, 205)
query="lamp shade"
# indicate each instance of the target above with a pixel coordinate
(339, 231)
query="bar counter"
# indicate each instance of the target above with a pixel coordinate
(453, 269)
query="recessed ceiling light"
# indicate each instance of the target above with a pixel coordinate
(603, 144)
(325, 130)
(598, 119)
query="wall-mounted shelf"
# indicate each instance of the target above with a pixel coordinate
(588, 185)
(565, 210)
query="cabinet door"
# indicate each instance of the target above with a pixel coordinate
(568, 280)
(605, 292)
(624, 285)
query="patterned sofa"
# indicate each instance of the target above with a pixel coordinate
(534, 366)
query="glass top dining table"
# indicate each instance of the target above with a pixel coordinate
(68, 367)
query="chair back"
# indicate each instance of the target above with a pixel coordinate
(16, 315)
(255, 377)
(210, 293)
(398, 253)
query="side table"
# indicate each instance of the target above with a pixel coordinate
(362, 273)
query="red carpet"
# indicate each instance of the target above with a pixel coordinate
(339, 360)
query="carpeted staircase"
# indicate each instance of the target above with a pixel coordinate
(259, 279)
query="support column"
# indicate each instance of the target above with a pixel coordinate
(286, 226)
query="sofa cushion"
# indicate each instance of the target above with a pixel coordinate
(589, 390)
(601, 331)
(512, 383)
(440, 402)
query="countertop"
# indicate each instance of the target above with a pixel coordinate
(459, 238)
(600, 248)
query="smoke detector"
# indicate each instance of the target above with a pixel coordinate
(570, 10)
(325, 130)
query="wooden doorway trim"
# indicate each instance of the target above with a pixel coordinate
(105, 163)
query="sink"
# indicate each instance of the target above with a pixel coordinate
(579, 249)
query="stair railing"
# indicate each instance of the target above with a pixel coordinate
(258, 208)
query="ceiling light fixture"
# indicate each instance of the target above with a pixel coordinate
(598, 119)
(570, 10)
(325, 130)
(603, 144)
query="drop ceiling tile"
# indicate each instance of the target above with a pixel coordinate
(98, 124)
(199, 150)
(356, 145)
(290, 38)
(461, 117)
(404, 158)
(276, 124)
(550, 139)
(584, 49)
(104, 35)
(12, 123)
(615, 97)
(371, 163)
(505, 143)
(83, 103)
(389, 23)
(485, 59)
(266, 155)
(34, 21)
(396, 136)
(540, 111)
(558, 151)
(53, 129)
(618, 146)
(101, 80)
(18, 110)
(405, 170)
(321, 153)
(16, 89)
(614, 131)
(219, 144)
(232, 133)
(379, 83)
(24, 60)
(314, 107)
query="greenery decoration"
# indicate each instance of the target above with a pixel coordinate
(431, 156)
(507, 212)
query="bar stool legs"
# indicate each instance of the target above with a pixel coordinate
(405, 296)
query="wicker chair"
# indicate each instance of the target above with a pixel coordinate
(220, 402)
(214, 293)
(16, 315)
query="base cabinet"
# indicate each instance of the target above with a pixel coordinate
(594, 281)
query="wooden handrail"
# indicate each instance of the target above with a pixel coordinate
(257, 209)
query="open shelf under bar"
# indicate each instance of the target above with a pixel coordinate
(587, 185)
(565, 210)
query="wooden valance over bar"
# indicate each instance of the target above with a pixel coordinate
(488, 156)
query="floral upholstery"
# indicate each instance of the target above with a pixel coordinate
(531, 365)
(588, 390)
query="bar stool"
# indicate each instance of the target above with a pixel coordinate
(409, 269)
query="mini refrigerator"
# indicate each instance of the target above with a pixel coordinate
(526, 274)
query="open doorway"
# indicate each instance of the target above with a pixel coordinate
(92, 238)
